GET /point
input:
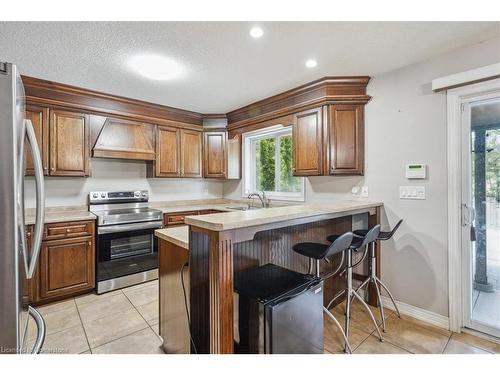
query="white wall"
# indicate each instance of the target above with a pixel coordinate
(406, 122)
(108, 174)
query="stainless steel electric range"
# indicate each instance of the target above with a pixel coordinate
(126, 247)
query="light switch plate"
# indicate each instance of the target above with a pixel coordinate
(412, 192)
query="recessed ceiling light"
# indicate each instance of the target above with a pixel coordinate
(156, 67)
(256, 32)
(311, 63)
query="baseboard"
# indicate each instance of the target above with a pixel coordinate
(418, 313)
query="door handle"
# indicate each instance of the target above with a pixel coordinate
(40, 324)
(465, 215)
(40, 201)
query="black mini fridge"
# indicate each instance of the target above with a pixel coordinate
(279, 312)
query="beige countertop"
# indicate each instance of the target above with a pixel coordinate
(226, 205)
(60, 214)
(76, 213)
(241, 219)
(176, 235)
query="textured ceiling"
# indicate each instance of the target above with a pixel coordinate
(224, 67)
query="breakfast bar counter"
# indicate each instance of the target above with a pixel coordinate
(223, 244)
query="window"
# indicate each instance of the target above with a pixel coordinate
(267, 165)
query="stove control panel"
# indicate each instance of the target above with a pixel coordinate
(96, 197)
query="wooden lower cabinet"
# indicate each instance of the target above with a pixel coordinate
(66, 267)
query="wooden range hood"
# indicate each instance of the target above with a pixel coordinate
(122, 139)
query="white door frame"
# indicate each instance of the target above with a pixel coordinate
(455, 98)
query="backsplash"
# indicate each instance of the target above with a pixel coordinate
(109, 174)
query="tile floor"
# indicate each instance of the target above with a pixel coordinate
(122, 321)
(126, 321)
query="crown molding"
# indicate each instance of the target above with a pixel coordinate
(326, 90)
(39, 91)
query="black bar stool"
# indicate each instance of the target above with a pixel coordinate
(357, 244)
(318, 251)
(383, 236)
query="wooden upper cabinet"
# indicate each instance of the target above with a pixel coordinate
(69, 143)
(214, 154)
(123, 139)
(167, 152)
(346, 139)
(308, 143)
(191, 158)
(39, 117)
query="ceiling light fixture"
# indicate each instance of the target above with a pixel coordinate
(311, 63)
(156, 67)
(256, 32)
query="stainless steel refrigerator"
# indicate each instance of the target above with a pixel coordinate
(16, 264)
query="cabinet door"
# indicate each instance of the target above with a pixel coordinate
(39, 117)
(191, 145)
(214, 154)
(67, 267)
(167, 152)
(346, 139)
(308, 143)
(69, 143)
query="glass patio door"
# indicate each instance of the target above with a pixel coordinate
(481, 214)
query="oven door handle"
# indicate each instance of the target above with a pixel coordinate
(130, 227)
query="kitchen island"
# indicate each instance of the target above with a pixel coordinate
(224, 243)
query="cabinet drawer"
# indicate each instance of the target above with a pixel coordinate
(177, 218)
(68, 230)
(207, 212)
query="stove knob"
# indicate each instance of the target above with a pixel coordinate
(103, 195)
(137, 194)
(144, 194)
(95, 195)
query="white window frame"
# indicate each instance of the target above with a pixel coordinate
(248, 175)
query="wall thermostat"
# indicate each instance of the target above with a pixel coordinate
(416, 171)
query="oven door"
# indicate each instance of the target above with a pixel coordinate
(126, 249)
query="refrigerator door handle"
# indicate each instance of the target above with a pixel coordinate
(40, 324)
(40, 200)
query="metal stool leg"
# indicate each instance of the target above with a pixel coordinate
(373, 279)
(369, 313)
(346, 341)
(347, 347)
(351, 293)
(377, 281)
(334, 298)
(389, 293)
(380, 305)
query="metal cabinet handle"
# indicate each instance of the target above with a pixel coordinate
(40, 324)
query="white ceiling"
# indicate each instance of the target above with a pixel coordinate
(224, 67)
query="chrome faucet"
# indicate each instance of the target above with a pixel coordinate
(263, 200)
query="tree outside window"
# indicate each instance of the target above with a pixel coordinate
(270, 165)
